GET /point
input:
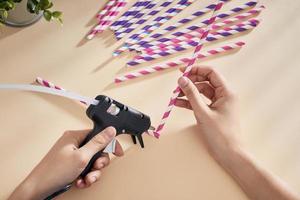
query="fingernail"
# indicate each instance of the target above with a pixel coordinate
(93, 179)
(111, 132)
(101, 165)
(182, 82)
(80, 184)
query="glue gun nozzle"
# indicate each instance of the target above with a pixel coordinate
(152, 128)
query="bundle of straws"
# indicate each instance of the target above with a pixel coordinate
(142, 23)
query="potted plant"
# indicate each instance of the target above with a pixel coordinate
(26, 12)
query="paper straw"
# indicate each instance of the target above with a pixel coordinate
(204, 23)
(108, 19)
(134, 10)
(226, 32)
(49, 84)
(189, 38)
(146, 30)
(234, 19)
(107, 8)
(192, 61)
(168, 65)
(186, 20)
(141, 17)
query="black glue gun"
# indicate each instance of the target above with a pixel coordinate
(124, 119)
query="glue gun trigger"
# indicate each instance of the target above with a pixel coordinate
(140, 140)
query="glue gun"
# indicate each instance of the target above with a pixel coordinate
(124, 119)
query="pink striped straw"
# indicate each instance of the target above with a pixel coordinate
(192, 42)
(189, 42)
(145, 14)
(108, 19)
(157, 22)
(49, 84)
(105, 10)
(173, 64)
(177, 91)
(121, 33)
(146, 42)
(190, 34)
(131, 13)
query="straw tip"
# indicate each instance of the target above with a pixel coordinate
(89, 37)
(116, 53)
(156, 134)
(117, 80)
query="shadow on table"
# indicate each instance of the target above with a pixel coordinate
(73, 108)
(161, 73)
(6, 31)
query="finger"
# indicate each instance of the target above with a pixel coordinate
(209, 74)
(118, 149)
(101, 162)
(77, 136)
(92, 177)
(204, 88)
(182, 103)
(80, 183)
(192, 94)
(98, 142)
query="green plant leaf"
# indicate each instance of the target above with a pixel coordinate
(37, 9)
(31, 6)
(60, 21)
(49, 6)
(44, 4)
(7, 5)
(57, 14)
(3, 14)
(47, 15)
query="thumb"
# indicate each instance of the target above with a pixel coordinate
(99, 142)
(192, 94)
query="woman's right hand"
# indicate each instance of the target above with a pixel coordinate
(217, 115)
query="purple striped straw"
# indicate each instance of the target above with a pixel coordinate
(145, 43)
(146, 30)
(141, 17)
(134, 10)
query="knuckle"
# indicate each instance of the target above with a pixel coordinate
(81, 159)
(99, 140)
(190, 91)
(67, 133)
(232, 95)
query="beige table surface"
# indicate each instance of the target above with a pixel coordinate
(265, 74)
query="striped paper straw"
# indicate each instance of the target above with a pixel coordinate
(107, 8)
(140, 18)
(192, 42)
(168, 65)
(49, 84)
(108, 19)
(223, 15)
(110, 148)
(186, 20)
(146, 30)
(134, 10)
(192, 61)
(189, 37)
(234, 19)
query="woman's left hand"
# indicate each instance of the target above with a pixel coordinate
(65, 162)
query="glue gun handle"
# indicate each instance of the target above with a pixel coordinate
(89, 166)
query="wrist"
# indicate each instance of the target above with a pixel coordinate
(26, 190)
(229, 156)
